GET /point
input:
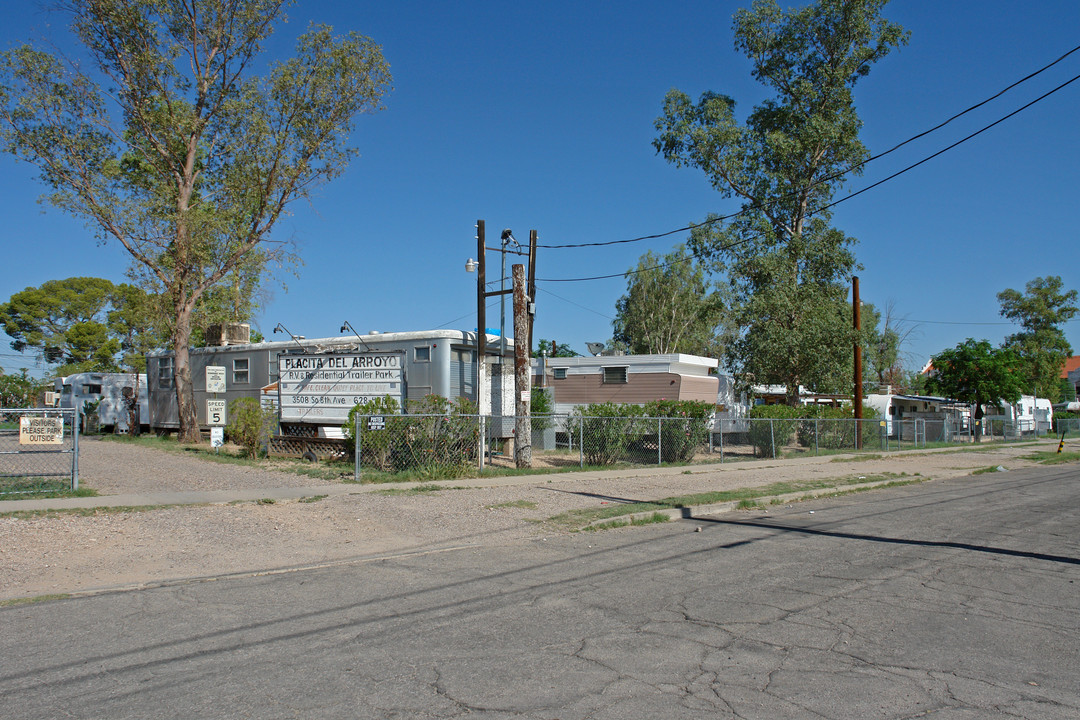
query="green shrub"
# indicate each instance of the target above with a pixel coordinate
(684, 427)
(376, 445)
(608, 430)
(436, 434)
(771, 427)
(250, 425)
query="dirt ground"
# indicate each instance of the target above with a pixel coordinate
(115, 549)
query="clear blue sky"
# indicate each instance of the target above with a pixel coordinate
(540, 116)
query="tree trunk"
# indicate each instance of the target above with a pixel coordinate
(185, 394)
(978, 422)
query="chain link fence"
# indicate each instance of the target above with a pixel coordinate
(39, 451)
(443, 444)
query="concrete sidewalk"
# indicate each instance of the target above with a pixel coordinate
(783, 467)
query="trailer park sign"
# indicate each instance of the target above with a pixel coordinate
(322, 389)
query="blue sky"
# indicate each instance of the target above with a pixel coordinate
(540, 116)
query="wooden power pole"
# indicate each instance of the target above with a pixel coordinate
(857, 313)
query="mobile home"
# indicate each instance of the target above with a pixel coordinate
(113, 412)
(435, 362)
(633, 379)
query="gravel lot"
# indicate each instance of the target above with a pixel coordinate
(66, 553)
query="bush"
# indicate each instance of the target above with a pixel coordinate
(376, 445)
(436, 434)
(683, 429)
(250, 425)
(771, 427)
(607, 431)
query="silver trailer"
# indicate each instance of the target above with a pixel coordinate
(437, 362)
(113, 410)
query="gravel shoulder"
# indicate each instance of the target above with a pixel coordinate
(73, 553)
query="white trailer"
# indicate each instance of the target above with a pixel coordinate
(106, 389)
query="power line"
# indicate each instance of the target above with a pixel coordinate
(854, 194)
(860, 164)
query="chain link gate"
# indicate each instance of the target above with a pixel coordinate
(39, 450)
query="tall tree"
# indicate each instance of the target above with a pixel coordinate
(189, 159)
(975, 372)
(1040, 310)
(884, 339)
(669, 306)
(786, 266)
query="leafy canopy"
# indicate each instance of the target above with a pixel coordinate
(83, 324)
(186, 156)
(1041, 344)
(975, 372)
(669, 307)
(784, 263)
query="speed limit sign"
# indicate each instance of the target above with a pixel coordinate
(215, 412)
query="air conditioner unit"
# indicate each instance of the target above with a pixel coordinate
(222, 334)
(237, 333)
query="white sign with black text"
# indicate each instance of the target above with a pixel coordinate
(215, 413)
(324, 388)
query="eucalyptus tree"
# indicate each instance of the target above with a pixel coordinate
(172, 145)
(670, 306)
(786, 266)
(1041, 344)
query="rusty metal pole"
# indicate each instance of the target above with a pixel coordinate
(522, 421)
(856, 311)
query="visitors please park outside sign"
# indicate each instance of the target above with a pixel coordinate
(41, 430)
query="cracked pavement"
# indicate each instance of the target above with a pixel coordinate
(950, 600)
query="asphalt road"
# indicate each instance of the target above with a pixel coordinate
(953, 599)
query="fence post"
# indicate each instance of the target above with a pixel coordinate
(75, 455)
(581, 441)
(816, 430)
(721, 441)
(772, 437)
(356, 447)
(659, 441)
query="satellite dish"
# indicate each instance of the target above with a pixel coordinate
(595, 348)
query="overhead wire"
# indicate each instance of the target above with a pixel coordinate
(848, 197)
(863, 163)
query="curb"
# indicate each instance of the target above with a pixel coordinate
(690, 512)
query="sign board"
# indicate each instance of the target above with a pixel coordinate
(215, 413)
(376, 422)
(41, 430)
(323, 388)
(215, 378)
(217, 437)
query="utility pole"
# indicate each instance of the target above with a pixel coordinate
(522, 335)
(857, 313)
(522, 421)
(481, 337)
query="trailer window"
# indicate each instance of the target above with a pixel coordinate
(559, 373)
(165, 373)
(91, 389)
(240, 371)
(422, 354)
(614, 375)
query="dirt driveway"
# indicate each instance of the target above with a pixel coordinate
(73, 553)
